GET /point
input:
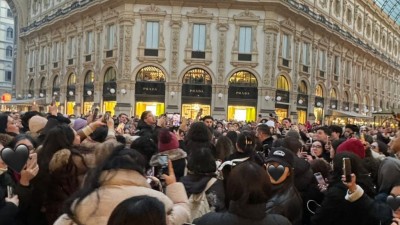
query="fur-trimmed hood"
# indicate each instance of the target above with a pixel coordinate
(173, 154)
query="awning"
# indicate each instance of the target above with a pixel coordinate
(24, 101)
(386, 112)
(348, 114)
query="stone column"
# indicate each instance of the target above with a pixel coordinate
(293, 92)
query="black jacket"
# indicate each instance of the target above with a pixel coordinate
(303, 175)
(144, 129)
(287, 203)
(242, 214)
(195, 184)
(335, 209)
(267, 145)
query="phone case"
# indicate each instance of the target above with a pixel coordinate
(347, 169)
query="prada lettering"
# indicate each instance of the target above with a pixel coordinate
(149, 89)
(242, 93)
(196, 91)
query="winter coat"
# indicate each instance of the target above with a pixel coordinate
(56, 183)
(144, 129)
(242, 214)
(287, 203)
(195, 184)
(118, 185)
(8, 211)
(303, 174)
(335, 209)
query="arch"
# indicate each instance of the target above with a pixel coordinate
(10, 33)
(31, 87)
(89, 77)
(197, 76)
(333, 94)
(366, 101)
(84, 73)
(302, 87)
(249, 70)
(104, 70)
(346, 96)
(56, 81)
(319, 90)
(139, 67)
(150, 74)
(243, 78)
(356, 99)
(189, 68)
(42, 83)
(71, 79)
(9, 52)
(282, 83)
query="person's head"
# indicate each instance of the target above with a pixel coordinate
(148, 118)
(232, 135)
(248, 184)
(224, 148)
(167, 140)
(379, 147)
(246, 142)
(352, 145)
(317, 148)
(208, 121)
(37, 124)
(139, 210)
(388, 174)
(287, 123)
(322, 134)
(199, 132)
(146, 146)
(350, 130)
(356, 166)
(336, 132)
(391, 200)
(279, 165)
(322, 166)
(122, 118)
(8, 124)
(263, 132)
(395, 146)
(24, 139)
(293, 144)
(100, 134)
(202, 162)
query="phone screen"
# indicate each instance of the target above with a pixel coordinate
(95, 112)
(176, 119)
(320, 179)
(347, 169)
(10, 192)
(163, 160)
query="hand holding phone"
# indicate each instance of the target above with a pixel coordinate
(10, 192)
(320, 179)
(347, 169)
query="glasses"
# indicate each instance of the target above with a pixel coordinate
(316, 146)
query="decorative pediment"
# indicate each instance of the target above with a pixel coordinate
(200, 12)
(152, 10)
(324, 41)
(289, 24)
(71, 28)
(109, 14)
(337, 48)
(247, 15)
(89, 21)
(56, 33)
(307, 33)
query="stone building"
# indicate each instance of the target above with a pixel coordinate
(306, 59)
(6, 51)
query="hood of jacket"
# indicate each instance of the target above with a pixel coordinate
(173, 154)
(143, 125)
(389, 173)
(195, 184)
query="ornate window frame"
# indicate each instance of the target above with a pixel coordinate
(199, 16)
(152, 13)
(306, 37)
(249, 19)
(287, 28)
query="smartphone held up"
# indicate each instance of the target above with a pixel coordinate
(347, 169)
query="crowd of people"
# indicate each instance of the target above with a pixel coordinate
(116, 170)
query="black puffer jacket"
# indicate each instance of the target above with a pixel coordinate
(242, 214)
(303, 175)
(287, 203)
(195, 184)
(144, 129)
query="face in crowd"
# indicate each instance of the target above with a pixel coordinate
(12, 126)
(320, 135)
(284, 173)
(209, 122)
(317, 149)
(348, 133)
(123, 118)
(150, 119)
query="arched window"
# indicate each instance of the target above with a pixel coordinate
(56, 81)
(197, 76)
(355, 99)
(9, 52)
(243, 78)
(42, 83)
(333, 94)
(111, 75)
(31, 88)
(150, 74)
(346, 96)
(72, 79)
(368, 30)
(337, 7)
(89, 78)
(282, 83)
(319, 91)
(302, 89)
(10, 33)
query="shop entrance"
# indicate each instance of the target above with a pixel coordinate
(157, 108)
(192, 110)
(241, 113)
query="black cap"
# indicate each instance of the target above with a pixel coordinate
(282, 156)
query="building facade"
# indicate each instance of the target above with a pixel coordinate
(7, 33)
(310, 60)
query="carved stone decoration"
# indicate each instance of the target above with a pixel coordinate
(222, 28)
(152, 9)
(127, 50)
(288, 24)
(274, 57)
(307, 33)
(246, 15)
(200, 12)
(109, 14)
(176, 30)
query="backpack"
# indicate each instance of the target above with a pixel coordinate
(198, 203)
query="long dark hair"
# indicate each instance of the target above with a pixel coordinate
(246, 141)
(139, 210)
(121, 158)
(21, 137)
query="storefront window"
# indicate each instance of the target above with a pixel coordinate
(197, 76)
(150, 74)
(242, 96)
(243, 78)
(319, 92)
(283, 83)
(302, 89)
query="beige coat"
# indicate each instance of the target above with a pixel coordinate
(120, 185)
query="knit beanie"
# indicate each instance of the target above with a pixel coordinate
(79, 124)
(37, 123)
(352, 145)
(167, 140)
(3, 123)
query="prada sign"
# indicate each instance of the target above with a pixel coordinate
(193, 90)
(150, 88)
(243, 92)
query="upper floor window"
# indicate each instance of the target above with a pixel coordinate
(43, 55)
(349, 15)
(9, 13)
(306, 54)
(89, 42)
(10, 33)
(8, 76)
(383, 41)
(152, 29)
(71, 47)
(9, 52)
(56, 49)
(337, 7)
(336, 65)
(245, 40)
(32, 58)
(319, 91)
(368, 30)
(376, 36)
(282, 83)
(322, 60)
(348, 69)
(199, 37)
(302, 89)
(286, 48)
(359, 23)
(111, 32)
